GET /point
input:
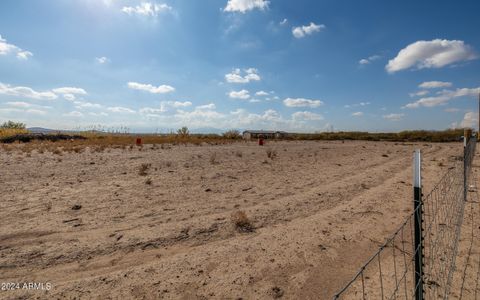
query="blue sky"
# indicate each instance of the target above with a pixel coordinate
(248, 64)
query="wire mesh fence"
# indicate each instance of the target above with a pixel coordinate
(391, 274)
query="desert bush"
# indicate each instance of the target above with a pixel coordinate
(12, 125)
(232, 135)
(183, 132)
(241, 222)
(57, 151)
(143, 169)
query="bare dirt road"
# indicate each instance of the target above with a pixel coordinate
(94, 225)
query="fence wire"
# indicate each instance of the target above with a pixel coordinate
(390, 272)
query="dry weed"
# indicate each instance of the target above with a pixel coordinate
(143, 169)
(241, 222)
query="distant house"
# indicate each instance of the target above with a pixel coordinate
(266, 134)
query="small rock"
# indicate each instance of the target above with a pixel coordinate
(76, 207)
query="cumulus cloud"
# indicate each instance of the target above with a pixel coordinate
(250, 74)
(24, 55)
(102, 60)
(302, 102)
(99, 114)
(302, 31)
(162, 89)
(434, 84)
(21, 91)
(357, 104)
(431, 54)
(151, 111)
(88, 105)
(147, 9)
(368, 60)
(470, 119)
(6, 48)
(75, 114)
(206, 106)
(178, 104)
(393, 117)
(69, 93)
(70, 90)
(419, 93)
(120, 109)
(443, 97)
(357, 114)
(19, 104)
(306, 116)
(261, 93)
(242, 94)
(245, 5)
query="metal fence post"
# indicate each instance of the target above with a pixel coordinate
(465, 142)
(418, 216)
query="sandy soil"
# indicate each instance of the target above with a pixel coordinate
(92, 227)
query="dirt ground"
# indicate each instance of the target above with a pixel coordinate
(93, 227)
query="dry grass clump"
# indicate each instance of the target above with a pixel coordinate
(148, 181)
(238, 153)
(241, 221)
(57, 151)
(271, 153)
(143, 169)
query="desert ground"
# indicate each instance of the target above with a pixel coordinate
(156, 222)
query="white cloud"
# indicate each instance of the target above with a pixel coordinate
(254, 100)
(88, 105)
(443, 97)
(209, 106)
(431, 54)
(451, 110)
(261, 93)
(419, 93)
(434, 84)
(178, 104)
(34, 111)
(74, 113)
(69, 90)
(243, 94)
(151, 111)
(119, 109)
(21, 91)
(302, 31)
(302, 102)
(147, 9)
(162, 89)
(393, 117)
(306, 116)
(24, 55)
(470, 119)
(19, 104)
(368, 60)
(251, 74)
(102, 60)
(284, 21)
(357, 114)
(100, 114)
(245, 5)
(6, 48)
(69, 97)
